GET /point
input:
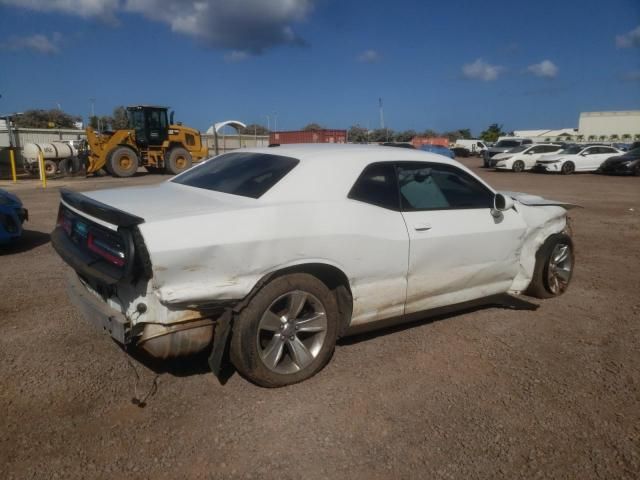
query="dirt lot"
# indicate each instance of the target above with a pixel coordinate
(493, 393)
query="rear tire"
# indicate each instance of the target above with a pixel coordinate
(636, 170)
(518, 166)
(554, 267)
(50, 168)
(568, 168)
(70, 166)
(287, 333)
(123, 162)
(178, 160)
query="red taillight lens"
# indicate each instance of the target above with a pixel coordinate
(105, 251)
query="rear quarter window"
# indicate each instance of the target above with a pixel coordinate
(245, 174)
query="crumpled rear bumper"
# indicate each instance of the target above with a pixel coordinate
(97, 312)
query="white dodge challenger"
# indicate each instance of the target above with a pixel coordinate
(270, 255)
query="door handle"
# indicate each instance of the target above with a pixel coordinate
(422, 227)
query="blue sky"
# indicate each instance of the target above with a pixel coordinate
(438, 65)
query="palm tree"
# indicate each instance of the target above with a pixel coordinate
(636, 136)
(580, 138)
(602, 138)
(626, 137)
(592, 138)
(614, 137)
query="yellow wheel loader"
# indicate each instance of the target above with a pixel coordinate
(151, 141)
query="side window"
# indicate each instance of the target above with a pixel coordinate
(592, 151)
(439, 187)
(190, 139)
(539, 149)
(608, 150)
(550, 148)
(377, 185)
(527, 142)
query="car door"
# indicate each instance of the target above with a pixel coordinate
(533, 154)
(380, 241)
(458, 251)
(589, 159)
(598, 158)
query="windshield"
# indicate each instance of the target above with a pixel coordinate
(508, 143)
(246, 174)
(574, 150)
(518, 149)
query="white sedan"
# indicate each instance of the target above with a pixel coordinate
(522, 158)
(576, 158)
(272, 254)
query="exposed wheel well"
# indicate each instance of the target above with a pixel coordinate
(331, 276)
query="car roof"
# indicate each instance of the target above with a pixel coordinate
(328, 171)
(339, 153)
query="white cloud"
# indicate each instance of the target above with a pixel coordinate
(37, 43)
(369, 56)
(629, 39)
(545, 68)
(481, 70)
(236, 56)
(101, 9)
(250, 26)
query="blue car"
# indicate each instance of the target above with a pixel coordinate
(438, 149)
(12, 216)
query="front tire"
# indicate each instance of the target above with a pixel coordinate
(518, 166)
(554, 267)
(568, 168)
(123, 162)
(287, 333)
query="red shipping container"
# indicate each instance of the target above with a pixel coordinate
(419, 141)
(308, 136)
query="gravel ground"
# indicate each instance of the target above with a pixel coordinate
(492, 393)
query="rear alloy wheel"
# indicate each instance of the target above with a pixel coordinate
(554, 267)
(123, 162)
(178, 160)
(636, 169)
(518, 166)
(287, 332)
(568, 168)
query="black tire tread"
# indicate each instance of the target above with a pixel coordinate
(243, 349)
(538, 287)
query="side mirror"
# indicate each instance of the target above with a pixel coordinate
(502, 203)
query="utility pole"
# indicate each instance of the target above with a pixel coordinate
(268, 123)
(275, 121)
(381, 113)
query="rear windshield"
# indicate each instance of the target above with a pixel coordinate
(246, 174)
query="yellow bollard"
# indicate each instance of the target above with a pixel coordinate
(12, 159)
(43, 174)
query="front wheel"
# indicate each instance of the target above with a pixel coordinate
(518, 166)
(123, 162)
(554, 267)
(568, 168)
(287, 332)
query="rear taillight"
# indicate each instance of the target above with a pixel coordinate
(112, 253)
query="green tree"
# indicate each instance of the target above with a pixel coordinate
(580, 138)
(492, 133)
(46, 119)
(614, 137)
(404, 136)
(626, 137)
(429, 133)
(120, 120)
(357, 134)
(381, 135)
(312, 127)
(254, 129)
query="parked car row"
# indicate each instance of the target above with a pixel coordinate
(554, 158)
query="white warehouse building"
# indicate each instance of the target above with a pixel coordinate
(624, 124)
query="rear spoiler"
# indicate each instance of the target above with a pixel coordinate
(99, 210)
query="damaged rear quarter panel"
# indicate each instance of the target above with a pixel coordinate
(222, 255)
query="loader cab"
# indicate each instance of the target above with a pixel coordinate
(150, 124)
